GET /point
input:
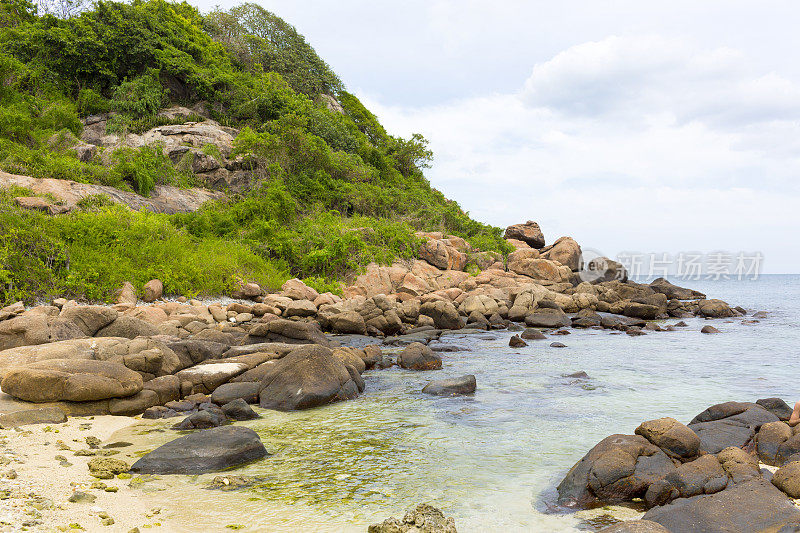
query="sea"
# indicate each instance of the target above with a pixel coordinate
(492, 460)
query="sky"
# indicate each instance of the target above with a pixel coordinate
(634, 127)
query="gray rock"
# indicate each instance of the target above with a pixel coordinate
(245, 390)
(752, 506)
(308, 377)
(239, 410)
(443, 313)
(208, 450)
(777, 407)
(729, 424)
(619, 468)
(451, 387)
(207, 418)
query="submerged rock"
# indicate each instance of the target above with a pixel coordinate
(451, 387)
(424, 518)
(636, 526)
(208, 450)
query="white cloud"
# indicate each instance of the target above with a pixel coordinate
(628, 143)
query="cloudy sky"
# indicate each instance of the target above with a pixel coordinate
(632, 126)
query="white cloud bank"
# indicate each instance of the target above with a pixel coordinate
(629, 143)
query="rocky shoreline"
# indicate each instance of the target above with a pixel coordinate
(298, 349)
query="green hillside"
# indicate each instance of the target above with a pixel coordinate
(330, 190)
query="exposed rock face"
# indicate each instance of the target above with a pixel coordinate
(751, 506)
(423, 519)
(308, 377)
(209, 450)
(163, 198)
(715, 309)
(417, 356)
(441, 253)
(36, 203)
(770, 441)
(530, 233)
(619, 468)
(75, 380)
(451, 387)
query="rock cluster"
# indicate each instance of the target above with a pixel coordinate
(703, 476)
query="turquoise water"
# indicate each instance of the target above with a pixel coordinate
(492, 460)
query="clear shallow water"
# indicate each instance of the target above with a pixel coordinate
(492, 460)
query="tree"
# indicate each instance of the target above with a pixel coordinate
(15, 12)
(62, 9)
(412, 154)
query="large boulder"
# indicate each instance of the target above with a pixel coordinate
(714, 309)
(129, 328)
(348, 322)
(297, 290)
(541, 269)
(751, 506)
(729, 424)
(565, 251)
(209, 450)
(289, 331)
(75, 380)
(602, 269)
(443, 313)
(548, 318)
(307, 377)
(619, 468)
(529, 233)
(673, 292)
(41, 415)
(205, 378)
(88, 318)
(417, 356)
(674, 438)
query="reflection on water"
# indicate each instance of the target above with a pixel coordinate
(492, 460)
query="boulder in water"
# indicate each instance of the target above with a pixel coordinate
(451, 387)
(208, 450)
(424, 518)
(307, 377)
(417, 356)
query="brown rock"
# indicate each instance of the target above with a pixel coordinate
(529, 233)
(153, 290)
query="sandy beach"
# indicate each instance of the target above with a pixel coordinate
(41, 472)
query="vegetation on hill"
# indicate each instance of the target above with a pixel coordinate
(332, 190)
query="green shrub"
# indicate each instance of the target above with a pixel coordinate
(139, 97)
(91, 102)
(144, 167)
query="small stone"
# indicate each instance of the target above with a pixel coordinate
(557, 345)
(107, 521)
(106, 468)
(92, 442)
(82, 497)
(111, 489)
(516, 342)
(11, 474)
(98, 485)
(709, 329)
